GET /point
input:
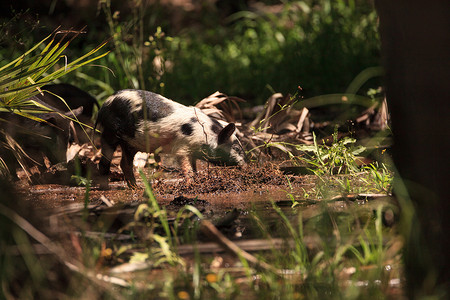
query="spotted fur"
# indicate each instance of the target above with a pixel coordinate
(144, 121)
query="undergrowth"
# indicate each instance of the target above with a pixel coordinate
(321, 44)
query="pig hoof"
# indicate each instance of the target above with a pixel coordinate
(102, 181)
(103, 185)
(132, 185)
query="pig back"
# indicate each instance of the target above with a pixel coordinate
(124, 111)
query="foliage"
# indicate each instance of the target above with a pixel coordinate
(327, 162)
(372, 248)
(161, 235)
(312, 273)
(343, 240)
(380, 176)
(321, 45)
(23, 77)
(138, 57)
(141, 65)
(335, 159)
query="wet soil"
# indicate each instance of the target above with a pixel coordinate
(224, 195)
(221, 187)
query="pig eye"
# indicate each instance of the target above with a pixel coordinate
(236, 147)
(187, 129)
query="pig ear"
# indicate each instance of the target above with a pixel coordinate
(76, 112)
(226, 133)
(73, 137)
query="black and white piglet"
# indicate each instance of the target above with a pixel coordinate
(143, 121)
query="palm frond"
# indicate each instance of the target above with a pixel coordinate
(22, 78)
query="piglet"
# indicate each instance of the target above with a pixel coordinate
(143, 121)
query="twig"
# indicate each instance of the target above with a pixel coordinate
(301, 120)
(57, 251)
(108, 202)
(245, 245)
(209, 229)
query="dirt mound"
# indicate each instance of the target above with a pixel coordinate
(221, 179)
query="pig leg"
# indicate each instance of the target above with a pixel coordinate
(157, 158)
(186, 168)
(109, 145)
(193, 162)
(126, 163)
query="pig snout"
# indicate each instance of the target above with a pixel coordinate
(144, 121)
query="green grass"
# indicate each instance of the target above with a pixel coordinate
(338, 158)
(322, 244)
(319, 45)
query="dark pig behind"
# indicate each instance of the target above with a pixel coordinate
(38, 139)
(74, 98)
(139, 120)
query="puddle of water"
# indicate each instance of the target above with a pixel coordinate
(325, 224)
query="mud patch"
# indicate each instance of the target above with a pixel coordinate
(227, 179)
(181, 201)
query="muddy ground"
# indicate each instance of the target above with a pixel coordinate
(221, 194)
(217, 185)
(68, 204)
(226, 196)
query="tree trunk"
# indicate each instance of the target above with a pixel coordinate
(416, 46)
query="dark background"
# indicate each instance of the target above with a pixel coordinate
(243, 48)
